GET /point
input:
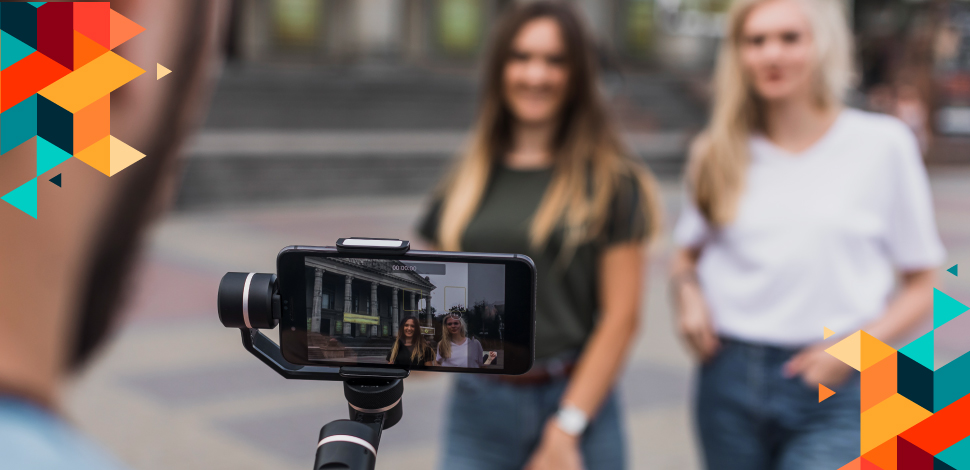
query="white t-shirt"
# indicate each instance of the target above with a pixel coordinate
(818, 235)
(459, 356)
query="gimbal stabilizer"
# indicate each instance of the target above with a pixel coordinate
(251, 301)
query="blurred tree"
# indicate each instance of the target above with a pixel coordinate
(459, 26)
(296, 21)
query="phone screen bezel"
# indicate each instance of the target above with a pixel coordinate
(520, 285)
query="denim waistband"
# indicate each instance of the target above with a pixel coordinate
(763, 346)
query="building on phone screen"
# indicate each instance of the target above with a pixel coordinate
(364, 297)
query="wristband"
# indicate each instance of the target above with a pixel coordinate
(572, 420)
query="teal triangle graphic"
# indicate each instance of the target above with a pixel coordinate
(49, 156)
(12, 50)
(36, 4)
(953, 269)
(957, 455)
(921, 350)
(945, 308)
(24, 198)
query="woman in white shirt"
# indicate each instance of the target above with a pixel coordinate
(800, 215)
(456, 349)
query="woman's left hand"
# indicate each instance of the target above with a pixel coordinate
(815, 366)
(557, 451)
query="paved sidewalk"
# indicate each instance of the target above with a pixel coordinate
(177, 390)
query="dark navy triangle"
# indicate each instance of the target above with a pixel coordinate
(56, 180)
(941, 465)
(20, 21)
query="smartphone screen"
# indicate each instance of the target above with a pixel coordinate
(458, 312)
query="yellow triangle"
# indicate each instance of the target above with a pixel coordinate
(97, 155)
(827, 333)
(849, 350)
(824, 392)
(122, 155)
(161, 71)
(873, 350)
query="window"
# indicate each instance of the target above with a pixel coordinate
(327, 299)
(361, 303)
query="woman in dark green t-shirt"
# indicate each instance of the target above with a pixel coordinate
(546, 175)
(410, 349)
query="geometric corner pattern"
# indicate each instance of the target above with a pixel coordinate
(57, 71)
(912, 415)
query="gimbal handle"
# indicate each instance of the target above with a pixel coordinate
(353, 443)
(374, 402)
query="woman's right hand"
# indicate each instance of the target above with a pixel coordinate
(694, 321)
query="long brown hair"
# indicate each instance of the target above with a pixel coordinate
(419, 344)
(589, 156)
(719, 156)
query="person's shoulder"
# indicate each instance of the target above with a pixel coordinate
(875, 125)
(628, 181)
(33, 439)
(885, 137)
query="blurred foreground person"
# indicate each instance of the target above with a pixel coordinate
(546, 175)
(799, 216)
(62, 276)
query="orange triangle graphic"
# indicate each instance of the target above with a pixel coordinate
(867, 465)
(853, 465)
(122, 29)
(92, 123)
(98, 155)
(824, 392)
(86, 50)
(883, 456)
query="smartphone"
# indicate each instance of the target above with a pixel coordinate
(427, 310)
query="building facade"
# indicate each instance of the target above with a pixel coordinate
(668, 34)
(349, 297)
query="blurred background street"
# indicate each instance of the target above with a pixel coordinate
(177, 390)
(337, 118)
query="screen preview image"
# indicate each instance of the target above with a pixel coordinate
(355, 309)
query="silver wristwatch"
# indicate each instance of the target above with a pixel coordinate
(572, 420)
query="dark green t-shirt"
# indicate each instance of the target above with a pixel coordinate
(567, 295)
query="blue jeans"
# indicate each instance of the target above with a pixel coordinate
(495, 426)
(751, 417)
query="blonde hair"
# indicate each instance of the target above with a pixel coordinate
(589, 157)
(720, 155)
(444, 346)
